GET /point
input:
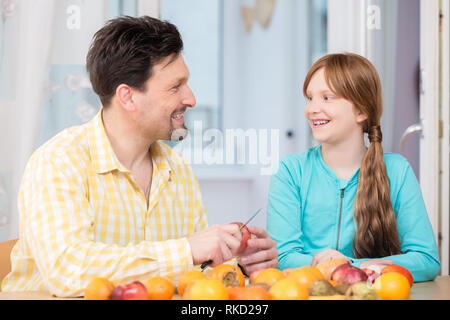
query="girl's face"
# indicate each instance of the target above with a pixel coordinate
(332, 118)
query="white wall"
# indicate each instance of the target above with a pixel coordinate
(263, 77)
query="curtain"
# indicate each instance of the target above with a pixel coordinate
(26, 45)
(44, 86)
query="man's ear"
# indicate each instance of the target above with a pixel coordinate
(124, 94)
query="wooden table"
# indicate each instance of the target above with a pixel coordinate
(439, 289)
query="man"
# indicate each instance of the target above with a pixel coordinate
(108, 199)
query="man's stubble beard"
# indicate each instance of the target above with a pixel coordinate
(178, 134)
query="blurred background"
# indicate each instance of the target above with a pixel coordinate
(247, 59)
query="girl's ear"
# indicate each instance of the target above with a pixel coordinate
(360, 116)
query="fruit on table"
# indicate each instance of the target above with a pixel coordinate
(187, 278)
(348, 274)
(305, 276)
(399, 269)
(269, 276)
(341, 288)
(99, 289)
(245, 236)
(253, 275)
(206, 289)
(371, 274)
(392, 286)
(361, 291)
(321, 287)
(248, 293)
(327, 267)
(334, 297)
(288, 289)
(229, 275)
(131, 291)
(159, 288)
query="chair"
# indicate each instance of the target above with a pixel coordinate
(5, 257)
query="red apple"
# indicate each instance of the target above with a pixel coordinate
(132, 291)
(348, 274)
(245, 236)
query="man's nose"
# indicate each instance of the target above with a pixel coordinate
(189, 99)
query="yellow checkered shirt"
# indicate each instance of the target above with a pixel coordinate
(82, 216)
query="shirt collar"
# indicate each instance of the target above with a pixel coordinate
(104, 159)
(102, 155)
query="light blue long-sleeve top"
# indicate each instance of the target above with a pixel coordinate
(304, 213)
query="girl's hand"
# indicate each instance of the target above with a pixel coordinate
(328, 255)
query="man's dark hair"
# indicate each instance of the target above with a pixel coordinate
(125, 50)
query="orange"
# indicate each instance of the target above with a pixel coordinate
(269, 276)
(327, 267)
(206, 289)
(305, 276)
(187, 278)
(159, 288)
(99, 289)
(392, 286)
(253, 275)
(399, 269)
(229, 275)
(248, 293)
(288, 289)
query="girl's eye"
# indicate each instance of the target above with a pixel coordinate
(309, 98)
(327, 98)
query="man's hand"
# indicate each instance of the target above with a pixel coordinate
(218, 243)
(261, 252)
(327, 255)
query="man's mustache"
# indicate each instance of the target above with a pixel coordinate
(182, 109)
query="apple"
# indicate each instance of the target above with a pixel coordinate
(245, 236)
(132, 291)
(348, 274)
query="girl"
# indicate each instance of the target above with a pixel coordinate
(343, 199)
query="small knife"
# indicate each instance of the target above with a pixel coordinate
(251, 218)
(207, 263)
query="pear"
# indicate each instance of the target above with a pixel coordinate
(321, 288)
(361, 291)
(341, 288)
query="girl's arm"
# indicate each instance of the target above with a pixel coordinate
(283, 218)
(419, 251)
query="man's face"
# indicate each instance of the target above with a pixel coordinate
(162, 105)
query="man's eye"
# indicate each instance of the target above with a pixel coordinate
(175, 88)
